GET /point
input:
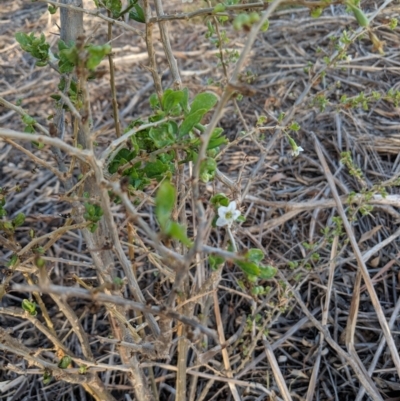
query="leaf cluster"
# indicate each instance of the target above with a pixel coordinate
(253, 268)
(151, 153)
(69, 56)
(37, 47)
(165, 203)
(134, 10)
(93, 214)
(10, 226)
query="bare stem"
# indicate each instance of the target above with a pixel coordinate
(66, 292)
(167, 46)
(151, 52)
(112, 83)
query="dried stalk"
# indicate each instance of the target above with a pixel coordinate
(113, 299)
(276, 371)
(90, 381)
(224, 352)
(151, 52)
(20, 313)
(360, 260)
(58, 143)
(97, 13)
(22, 113)
(324, 321)
(380, 349)
(37, 160)
(112, 83)
(167, 46)
(366, 382)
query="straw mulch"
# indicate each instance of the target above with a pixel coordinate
(289, 205)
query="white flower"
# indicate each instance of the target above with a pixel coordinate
(227, 215)
(296, 151)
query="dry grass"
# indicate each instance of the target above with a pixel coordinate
(317, 332)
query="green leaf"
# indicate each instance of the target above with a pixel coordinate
(29, 307)
(137, 177)
(191, 120)
(22, 39)
(39, 250)
(163, 135)
(92, 227)
(121, 158)
(171, 99)
(219, 8)
(185, 100)
(93, 213)
(241, 20)
(52, 9)
(217, 139)
(39, 262)
(249, 268)
(295, 126)
(265, 26)
(203, 101)
(254, 255)
(316, 12)
(267, 272)
(28, 120)
(68, 58)
(254, 17)
(19, 220)
(36, 46)
(47, 377)
(156, 169)
(154, 102)
(361, 18)
(292, 143)
(212, 152)
(90, 210)
(178, 231)
(7, 225)
(252, 279)
(137, 14)
(165, 201)
(96, 54)
(125, 155)
(219, 200)
(99, 212)
(64, 362)
(208, 168)
(191, 155)
(83, 369)
(38, 145)
(172, 128)
(62, 45)
(215, 261)
(13, 261)
(115, 7)
(41, 63)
